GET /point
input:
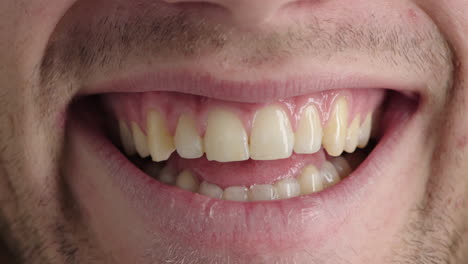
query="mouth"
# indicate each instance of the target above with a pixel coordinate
(255, 176)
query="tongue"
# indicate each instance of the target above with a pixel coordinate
(247, 173)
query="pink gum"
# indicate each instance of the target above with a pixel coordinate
(133, 107)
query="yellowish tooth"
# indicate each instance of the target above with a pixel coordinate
(308, 136)
(334, 134)
(225, 137)
(287, 188)
(329, 175)
(310, 180)
(271, 136)
(236, 193)
(262, 192)
(141, 142)
(161, 144)
(187, 141)
(167, 175)
(342, 167)
(127, 139)
(187, 181)
(211, 190)
(352, 137)
(365, 131)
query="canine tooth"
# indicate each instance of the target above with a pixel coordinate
(342, 166)
(334, 134)
(287, 188)
(271, 136)
(236, 193)
(365, 131)
(329, 174)
(187, 181)
(126, 138)
(167, 176)
(160, 141)
(210, 190)
(262, 192)
(308, 137)
(310, 180)
(352, 137)
(225, 137)
(141, 142)
(187, 141)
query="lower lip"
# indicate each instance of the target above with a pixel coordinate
(207, 223)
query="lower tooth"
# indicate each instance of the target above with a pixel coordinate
(310, 180)
(211, 190)
(187, 181)
(239, 194)
(288, 188)
(342, 166)
(262, 192)
(329, 174)
(167, 176)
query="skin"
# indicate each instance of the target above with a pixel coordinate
(40, 221)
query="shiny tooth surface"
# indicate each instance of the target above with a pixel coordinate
(271, 137)
(287, 188)
(342, 167)
(352, 137)
(329, 174)
(126, 138)
(225, 137)
(365, 131)
(210, 190)
(167, 176)
(310, 180)
(236, 193)
(187, 140)
(187, 181)
(160, 142)
(334, 133)
(308, 136)
(141, 142)
(262, 192)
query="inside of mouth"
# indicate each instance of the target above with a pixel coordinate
(156, 139)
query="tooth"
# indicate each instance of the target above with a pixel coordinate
(310, 180)
(308, 137)
(141, 142)
(188, 142)
(271, 136)
(262, 192)
(342, 167)
(287, 188)
(236, 193)
(365, 131)
(352, 136)
(187, 181)
(167, 176)
(225, 137)
(160, 140)
(334, 134)
(329, 175)
(127, 139)
(210, 190)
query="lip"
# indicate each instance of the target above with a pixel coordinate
(201, 222)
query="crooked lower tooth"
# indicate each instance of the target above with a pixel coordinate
(365, 131)
(262, 192)
(236, 193)
(308, 136)
(126, 138)
(271, 136)
(141, 142)
(187, 181)
(342, 167)
(187, 141)
(334, 134)
(225, 137)
(287, 188)
(352, 137)
(211, 190)
(161, 144)
(167, 176)
(329, 175)
(310, 180)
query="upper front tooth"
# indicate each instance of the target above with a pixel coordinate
(329, 174)
(365, 131)
(188, 142)
(271, 136)
(352, 137)
(288, 188)
(308, 137)
(160, 141)
(141, 142)
(335, 131)
(225, 137)
(126, 138)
